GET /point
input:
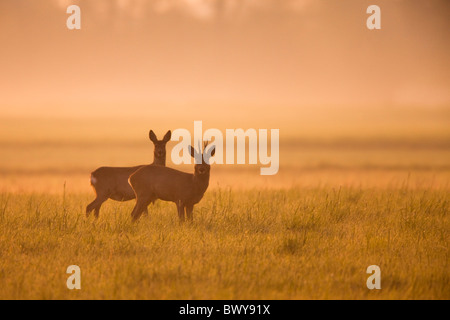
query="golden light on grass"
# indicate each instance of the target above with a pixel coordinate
(289, 244)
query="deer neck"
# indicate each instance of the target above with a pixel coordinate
(201, 182)
(160, 161)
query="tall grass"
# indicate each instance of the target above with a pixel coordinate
(257, 244)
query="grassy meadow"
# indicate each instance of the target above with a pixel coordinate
(297, 243)
(336, 206)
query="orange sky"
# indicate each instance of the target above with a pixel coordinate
(290, 54)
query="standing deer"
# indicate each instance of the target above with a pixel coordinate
(112, 182)
(184, 189)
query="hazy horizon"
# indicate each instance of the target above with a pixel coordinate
(193, 56)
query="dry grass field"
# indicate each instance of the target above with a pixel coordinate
(335, 207)
(295, 243)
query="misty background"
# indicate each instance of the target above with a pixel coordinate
(71, 100)
(145, 55)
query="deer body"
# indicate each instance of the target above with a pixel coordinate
(112, 182)
(151, 183)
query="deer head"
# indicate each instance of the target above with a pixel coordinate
(203, 168)
(160, 146)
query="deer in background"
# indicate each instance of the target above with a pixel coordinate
(112, 182)
(184, 189)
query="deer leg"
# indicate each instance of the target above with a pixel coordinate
(95, 206)
(97, 211)
(180, 208)
(90, 207)
(140, 207)
(137, 211)
(189, 210)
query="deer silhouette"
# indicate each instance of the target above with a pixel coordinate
(184, 189)
(112, 182)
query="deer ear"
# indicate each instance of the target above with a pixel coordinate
(167, 136)
(192, 151)
(152, 136)
(213, 151)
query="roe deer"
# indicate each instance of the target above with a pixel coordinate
(112, 182)
(185, 189)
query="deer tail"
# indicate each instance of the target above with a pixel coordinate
(93, 179)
